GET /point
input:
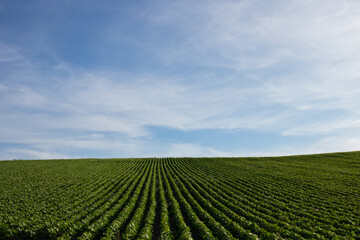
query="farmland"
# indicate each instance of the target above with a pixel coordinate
(294, 197)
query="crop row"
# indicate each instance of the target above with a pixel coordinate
(178, 198)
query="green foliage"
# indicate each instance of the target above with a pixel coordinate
(295, 197)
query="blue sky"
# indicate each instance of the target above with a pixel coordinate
(178, 78)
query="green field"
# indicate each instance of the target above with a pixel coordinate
(295, 197)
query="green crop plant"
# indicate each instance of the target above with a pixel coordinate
(294, 197)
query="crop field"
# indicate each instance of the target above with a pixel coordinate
(295, 197)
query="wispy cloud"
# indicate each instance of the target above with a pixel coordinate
(11, 154)
(254, 34)
(8, 54)
(289, 68)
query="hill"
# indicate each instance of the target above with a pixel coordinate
(294, 197)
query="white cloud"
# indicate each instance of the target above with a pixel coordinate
(124, 108)
(190, 150)
(29, 154)
(255, 34)
(22, 96)
(3, 88)
(339, 143)
(8, 53)
(290, 67)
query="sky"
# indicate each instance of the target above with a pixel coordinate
(181, 78)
